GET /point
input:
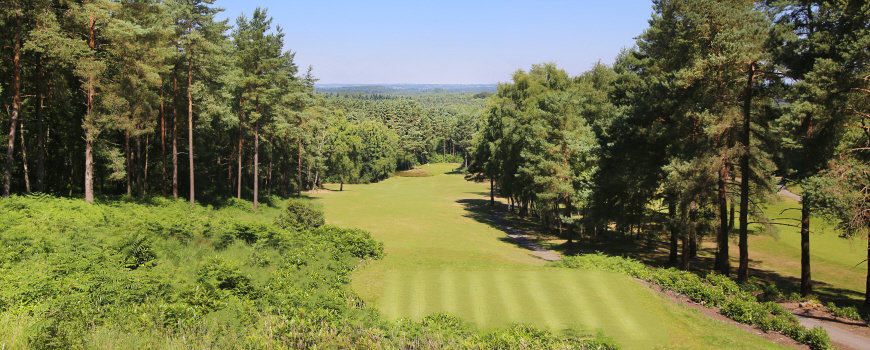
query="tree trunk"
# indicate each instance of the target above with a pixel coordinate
(299, 169)
(743, 270)
(40, 140)
(675, 236)
(241, 138)
(269, 176)
(128, 158)
(89, 117)
(163, 136)
(256, 162)
(684, 264)
(145, 168)
(867, 285)
(175, 134)
(139, 185)
(16, 105)
(491, 192)
(24, 160)
(190, 117)
(341, 186)
(723, 263)
(570, 224)
(806, 277)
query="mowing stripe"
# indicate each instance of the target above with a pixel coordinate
(390, 302)
(476, 295)
(618, 310)
(418, 296)
(579, 303)
(449, 302)
(507, 296)
(541, 299)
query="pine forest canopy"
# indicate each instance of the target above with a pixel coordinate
(689, 128)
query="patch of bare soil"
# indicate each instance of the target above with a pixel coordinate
(319, 191)
(413, 173)
(714, 314)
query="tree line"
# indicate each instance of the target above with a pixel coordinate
(139, 97)
(693, 128)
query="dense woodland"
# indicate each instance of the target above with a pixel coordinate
(715, 104)
(149, 97)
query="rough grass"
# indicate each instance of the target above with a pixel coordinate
(444, 254)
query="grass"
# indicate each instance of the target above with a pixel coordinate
(833, 259)
(445, 254)
(773, 257)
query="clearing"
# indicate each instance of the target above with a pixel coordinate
(445, 254)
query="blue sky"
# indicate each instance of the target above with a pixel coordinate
(448, 42)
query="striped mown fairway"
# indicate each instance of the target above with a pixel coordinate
(445, 254)
(558, 299)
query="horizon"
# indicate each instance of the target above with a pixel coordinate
(449, 42)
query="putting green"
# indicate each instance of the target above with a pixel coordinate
(444, 255)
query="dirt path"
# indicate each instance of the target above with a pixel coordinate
(787, 193)
(521, 238)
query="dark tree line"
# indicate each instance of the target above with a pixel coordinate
(691, 128)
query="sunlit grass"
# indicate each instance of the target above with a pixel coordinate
(444, 254)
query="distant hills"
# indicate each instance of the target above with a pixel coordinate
(404, 89)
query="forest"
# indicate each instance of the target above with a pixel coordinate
(717, 106)
(110, 98)
(163, 169)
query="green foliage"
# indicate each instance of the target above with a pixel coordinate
(849, 312)
(712, 290)
(300, 216)
(164, 273)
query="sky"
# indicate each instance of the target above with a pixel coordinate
(446, 41)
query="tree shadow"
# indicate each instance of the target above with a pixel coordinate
(653, 252)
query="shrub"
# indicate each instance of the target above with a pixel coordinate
(849, 312)
(300, 216)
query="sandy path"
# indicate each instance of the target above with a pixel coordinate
(521, 238)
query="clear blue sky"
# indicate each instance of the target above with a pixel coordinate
(446, 41)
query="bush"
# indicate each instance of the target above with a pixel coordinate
(849, 312)
(300, 216)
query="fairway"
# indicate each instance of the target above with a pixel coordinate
(833, 259)
(444, 255)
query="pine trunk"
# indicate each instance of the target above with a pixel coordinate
(723, 263)
(241, 138)
(806, 277)
(89, 118)
(128, 158)
(256, 162)
(16, 106)
(675, 235)
(24, 160)
(163, 136)
(743, 270)
(40, 140)
(190, 119)
(299, 169)
(139, 185)
(175, 134)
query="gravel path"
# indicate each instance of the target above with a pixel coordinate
(521, 238)
(838, 335)
(787, 193)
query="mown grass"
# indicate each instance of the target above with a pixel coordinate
(774, 257)
(443, 253)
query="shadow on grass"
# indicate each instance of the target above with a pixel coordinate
(654, 252)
